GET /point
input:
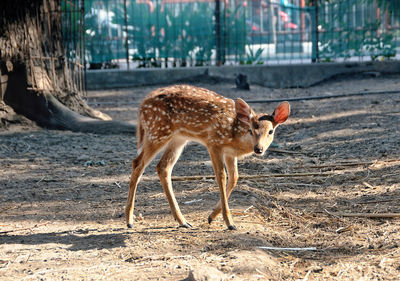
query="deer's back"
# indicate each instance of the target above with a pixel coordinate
(187, 110)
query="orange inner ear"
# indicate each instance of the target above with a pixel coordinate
(281, 112)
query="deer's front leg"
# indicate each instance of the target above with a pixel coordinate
(233, 176)
(220, 175)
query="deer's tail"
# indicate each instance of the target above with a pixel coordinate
(139, 135)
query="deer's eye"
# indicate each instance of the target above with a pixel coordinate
(250, 132)
(271, 132)
(256, 126)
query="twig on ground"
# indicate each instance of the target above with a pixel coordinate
(253, 222)
(307, 275)
(254, 177)
(298, 184)
(262, 273)
(344, 229)
(29, 256)
(278, 150)
(290, 175)
(341, 164)
(334, 165)
(39, 181)
(367, 215)
(192, 201)
(287, 249)
(367, 184)
(379, 201)
(332, 214)
(7, 208)
(25, 228)
(155, 258)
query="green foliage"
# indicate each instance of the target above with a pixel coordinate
(101, 36)
(172, 33)
(71, 20)
(392, 6)
(235, 33)
(182, 31)
(381, 46)
(341, 39)
(254, 58)
(357, 43)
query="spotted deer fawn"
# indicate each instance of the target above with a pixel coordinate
(170, 117)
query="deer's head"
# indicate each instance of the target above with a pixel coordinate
(261, 126)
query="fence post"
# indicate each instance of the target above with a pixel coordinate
(83, 43)
(218, 31)
(126, 34)
(271, 23)
(314, 34)
(302, 20)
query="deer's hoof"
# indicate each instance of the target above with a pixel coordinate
(210, 219)
(129, 225)
(232, 227)
(186, 225)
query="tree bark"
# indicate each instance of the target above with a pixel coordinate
(35, 74)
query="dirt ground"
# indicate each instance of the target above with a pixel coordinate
(62, 196)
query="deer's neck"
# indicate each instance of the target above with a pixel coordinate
(242, 139)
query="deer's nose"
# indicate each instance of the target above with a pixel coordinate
(258, 149)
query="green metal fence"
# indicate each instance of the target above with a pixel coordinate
(72, 12)
(358, 29)
(173, 33)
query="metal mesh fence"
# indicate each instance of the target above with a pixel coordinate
(172, 33)
(74, 42)
(363, 30)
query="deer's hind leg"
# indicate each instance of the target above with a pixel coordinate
(148, 151)
(164, 170)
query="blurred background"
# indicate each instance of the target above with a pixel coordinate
(130, 34)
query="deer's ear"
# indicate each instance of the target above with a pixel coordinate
(281, 112)
(243, 110)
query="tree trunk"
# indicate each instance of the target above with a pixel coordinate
(37, 79)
